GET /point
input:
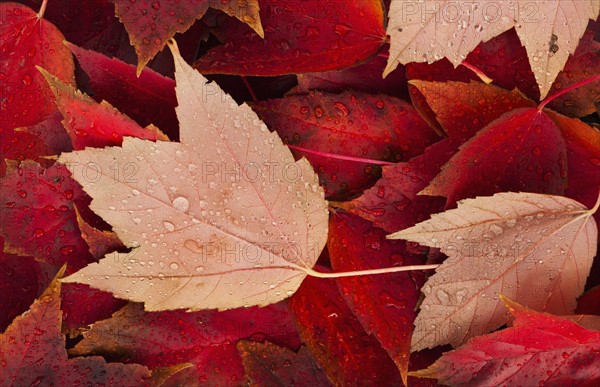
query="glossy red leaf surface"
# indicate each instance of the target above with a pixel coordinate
(38, 215)
(148, 99)
(348, 355)
(540, 349)
(33, 352)
(27, 42)
(392, 203)
(299, 37)
(267, 364)
(93, 124)
(207, 339)
(523, 150)
(151, 24)
(346, 135)
(364, 77)
(384, 304)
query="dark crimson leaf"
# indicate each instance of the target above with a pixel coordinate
(19, 145)
(393, 204)
(52, 133)
(18, 286)
(33, 352)
(582, 65)
(267, 364)
(148, 99)
(462, 109)
(384, 304)
(349, 355)
(151, 24)
(540, 349)
(364, 77)
(28, 41)
(346, 136)
(91, 124)
(589, 302)
(83, 306)
(523, 150)
(207, 339)
(300, 37)
(504, 60)
(38, 215)
(583, 159)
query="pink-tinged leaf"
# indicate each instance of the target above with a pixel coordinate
(583, 158)
(299, 37)
(33, 352)
(151, 24)
(523, 150)
(364, 77)
(38, 215)
(583, 64)
(535, 248)
(267, 364)
(207, 339)
(392, 203)
(462, 109)
(101, 242)
(346, 136)
(18, 286)
(348, 355)
(589, 302)
(148, 99)
(384, 304)
(90, 124)
(540, 349)
(25, 40)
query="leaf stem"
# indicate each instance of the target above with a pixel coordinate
(339, 157)
(385, 270)
(487, 80)
(247, 84)
(42, 10)
(566, 90)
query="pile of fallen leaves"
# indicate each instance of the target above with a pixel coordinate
(297, 219)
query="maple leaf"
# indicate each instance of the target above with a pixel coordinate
(148, 99)
(151, 24)
(300, 37)
(25, 37)
(93, 124)
(33, 352)
(267, 364)
(347, 136)
(549, 30)
(207, 339)
(534, 248)
(384, 305)
(216, 221)
(348, 355)
(539, 349)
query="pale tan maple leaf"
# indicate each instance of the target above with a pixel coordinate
(427, 31)
(536, 249)
(224, 219)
